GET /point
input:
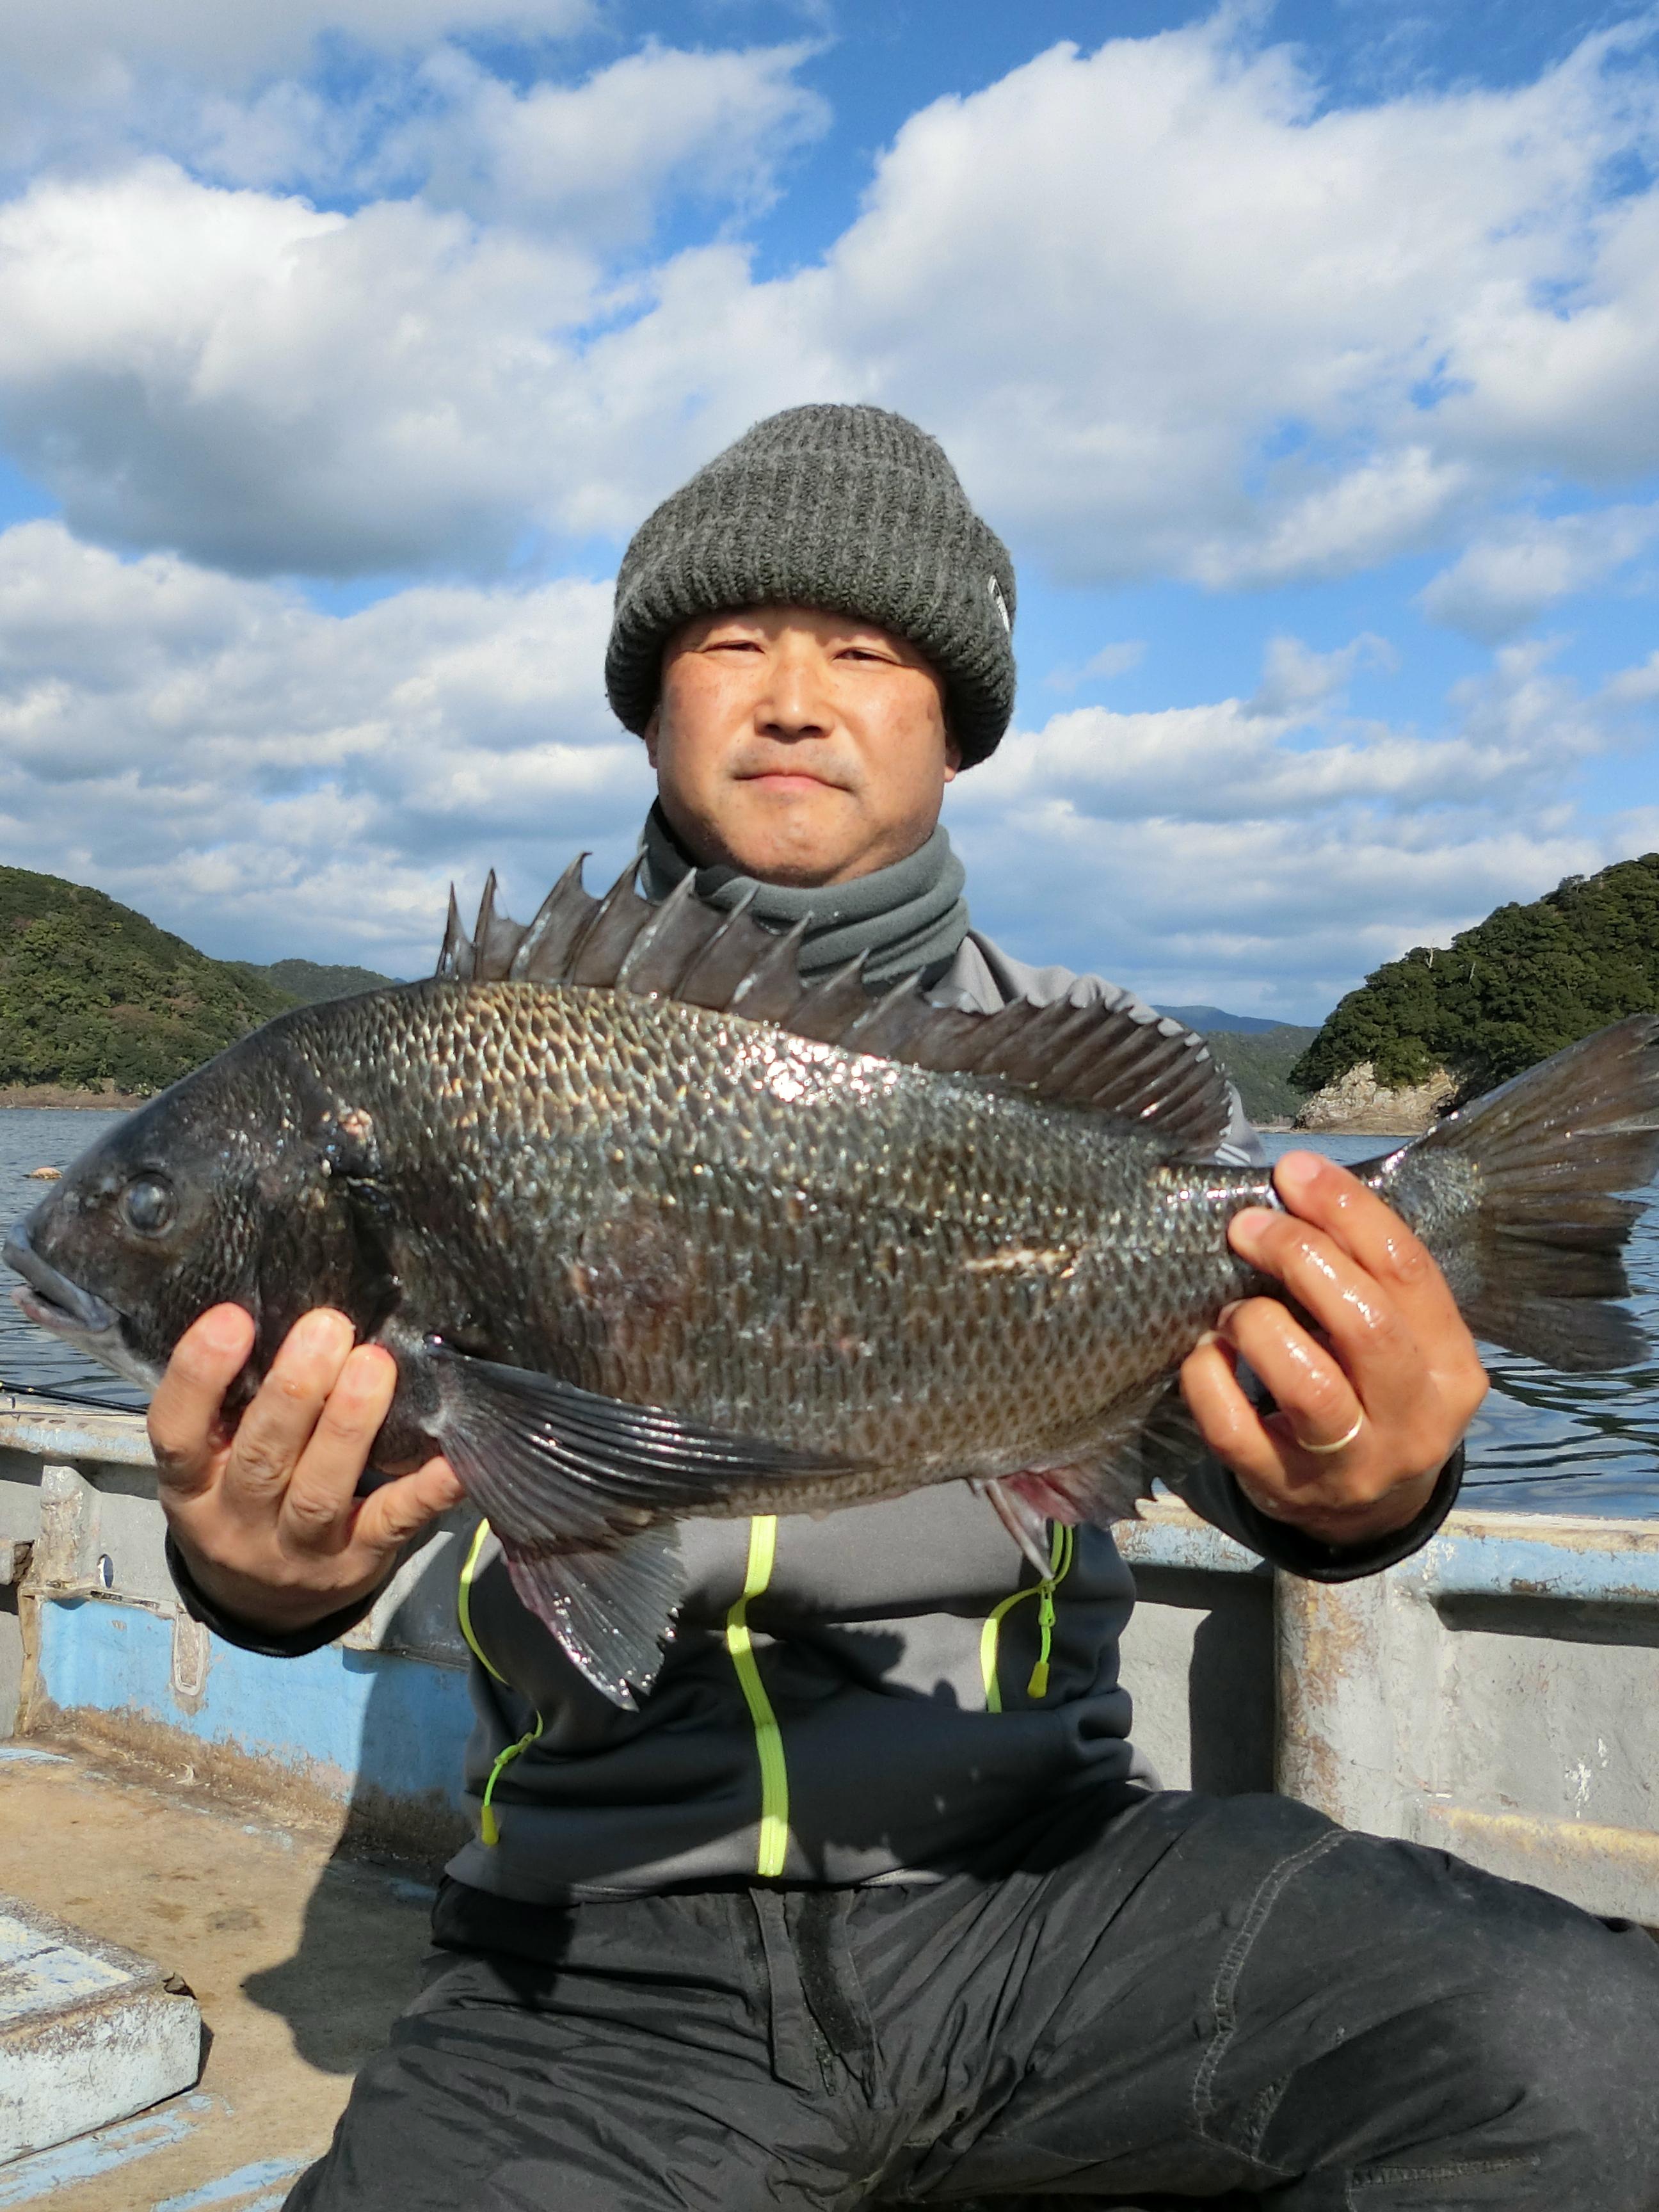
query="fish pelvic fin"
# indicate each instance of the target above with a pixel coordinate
(581, 1489)
(1518, 1198)
(1157, 1075)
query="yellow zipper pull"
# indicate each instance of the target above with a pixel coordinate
(1037, 1686)
(489, 1828)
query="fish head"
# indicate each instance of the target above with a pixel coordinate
(223, 1189)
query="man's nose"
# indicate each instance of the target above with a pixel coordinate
(796, 702)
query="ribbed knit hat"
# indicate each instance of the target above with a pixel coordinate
(850, 510)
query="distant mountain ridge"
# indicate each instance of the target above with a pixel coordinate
(95, 998)
(307, 982)
(1206, 1019)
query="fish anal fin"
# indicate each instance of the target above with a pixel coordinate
(612, 1607)
(1024, 1519)
(1152, 1439)
(1153, 1073)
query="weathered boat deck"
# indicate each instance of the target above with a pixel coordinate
(299, 1959)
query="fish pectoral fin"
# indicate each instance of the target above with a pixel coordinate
(581, 1491)
(612, 1607)
(1152, 1439)
(551, 1463)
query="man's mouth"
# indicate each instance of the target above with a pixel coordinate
(790, 778)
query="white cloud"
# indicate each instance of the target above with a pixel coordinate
(1345, 520)
(82, 46)
(1100, 667)
(1176, 315)
(1295, 678)
(594, 159)
(267, 386)
(1261, 915)
(1509, 574)
(267, 779)
(1171, 314)
(1265, 853)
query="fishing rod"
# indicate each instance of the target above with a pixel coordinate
(64, 1397)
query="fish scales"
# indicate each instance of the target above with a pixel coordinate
(781, 1238)
(654, 1229)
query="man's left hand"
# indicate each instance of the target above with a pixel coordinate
(1388, 1352)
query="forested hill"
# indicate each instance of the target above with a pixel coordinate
(1259, 1061)
(308, 981)
(1506, 994)
(91, 993)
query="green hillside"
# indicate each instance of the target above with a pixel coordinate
(92, 993)
(309, 980)
(1507, 992)
(1260, 1062)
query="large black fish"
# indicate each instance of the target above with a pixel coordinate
(654, 1229)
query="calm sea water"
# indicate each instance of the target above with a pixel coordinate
(37, 1137)
(1578, 1443)
(1584, 1443)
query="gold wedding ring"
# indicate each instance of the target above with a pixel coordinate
(1341, 1443)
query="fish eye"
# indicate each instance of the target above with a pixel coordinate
(147, 1204)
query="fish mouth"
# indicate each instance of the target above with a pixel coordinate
(54, 1302)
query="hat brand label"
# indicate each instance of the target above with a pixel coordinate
(1000, 603)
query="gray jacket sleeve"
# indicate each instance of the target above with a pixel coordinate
(270, 1643)
(1210, 1490)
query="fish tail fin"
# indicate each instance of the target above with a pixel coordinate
(1517, 1197)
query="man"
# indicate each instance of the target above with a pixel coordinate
(871, 1899)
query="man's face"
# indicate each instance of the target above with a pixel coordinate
(801, 748)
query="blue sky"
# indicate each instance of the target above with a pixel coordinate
(1306, 356)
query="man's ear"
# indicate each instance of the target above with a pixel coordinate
(953, 757)
(650, 734)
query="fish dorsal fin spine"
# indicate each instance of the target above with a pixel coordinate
(1155, 1073)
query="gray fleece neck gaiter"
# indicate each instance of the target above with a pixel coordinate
(907, 917)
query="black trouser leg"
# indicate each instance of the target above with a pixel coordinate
(1323, 2021)
(665, 2063)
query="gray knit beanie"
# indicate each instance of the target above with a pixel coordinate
(847, 509)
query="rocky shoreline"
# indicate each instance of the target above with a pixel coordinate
(110, 1100)
(1358, 1105)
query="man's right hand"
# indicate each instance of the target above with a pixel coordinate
(266, 1515)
